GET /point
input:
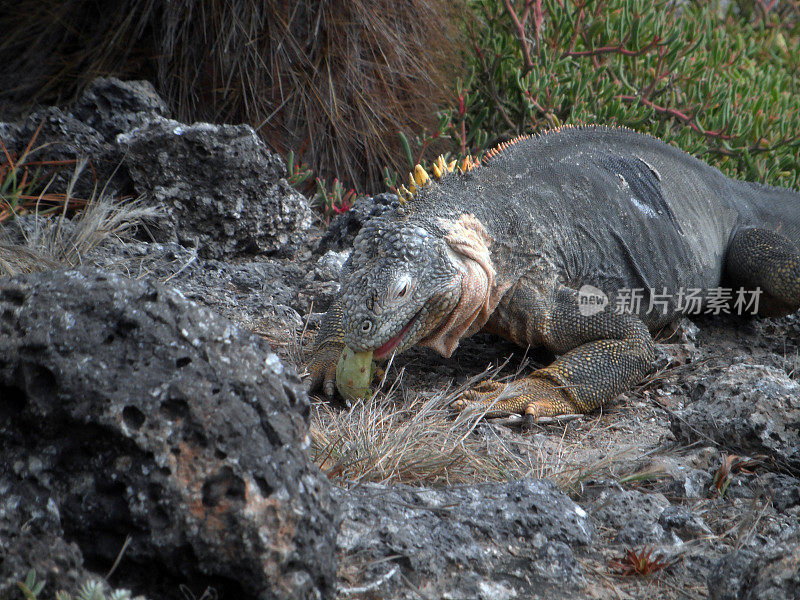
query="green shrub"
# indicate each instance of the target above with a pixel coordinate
(723, 85)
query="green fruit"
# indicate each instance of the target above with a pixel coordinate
(354, 373)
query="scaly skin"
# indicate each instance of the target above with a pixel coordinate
(506, 247)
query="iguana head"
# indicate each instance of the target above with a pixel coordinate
(409, 283)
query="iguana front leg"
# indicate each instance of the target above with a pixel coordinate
(602, 356)
(327, 349)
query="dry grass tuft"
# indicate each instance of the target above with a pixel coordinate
(48, 242)
(411, 437)
(333, 80)
(412, 440)
(409, 434)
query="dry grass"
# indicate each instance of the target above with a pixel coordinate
(49, 242)
(332, 80)
(409, 436)
(413, 440)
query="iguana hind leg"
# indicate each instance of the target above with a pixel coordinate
(603, 355)
(766, 260)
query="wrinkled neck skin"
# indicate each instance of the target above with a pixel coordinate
(469, 245)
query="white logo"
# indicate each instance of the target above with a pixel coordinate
(591, 300)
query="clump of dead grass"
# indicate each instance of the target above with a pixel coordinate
(411, 437)
(408, 439)
(54, 241)
(334, 81)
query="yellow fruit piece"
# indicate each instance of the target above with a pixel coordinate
(354, 374)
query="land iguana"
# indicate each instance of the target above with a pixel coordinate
(507, 246)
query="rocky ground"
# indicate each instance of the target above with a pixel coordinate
(151, 412)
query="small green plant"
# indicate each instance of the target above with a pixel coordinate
(297, 173)
(24, 183)
(390, 178)
(31, 588)
(91, 590)
(331, 200)
(426, 142)
(335, 200)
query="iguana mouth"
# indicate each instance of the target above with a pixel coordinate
(389, 346)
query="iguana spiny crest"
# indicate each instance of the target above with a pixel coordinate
(419, 177)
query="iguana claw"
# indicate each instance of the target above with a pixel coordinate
(322, 368)
(532, 397)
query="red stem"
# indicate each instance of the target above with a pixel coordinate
(615, 49)
(672, 112)
(520, 32)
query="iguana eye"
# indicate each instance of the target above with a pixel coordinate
(401, 287)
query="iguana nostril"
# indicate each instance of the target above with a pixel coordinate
(366, 326)
(373, 305)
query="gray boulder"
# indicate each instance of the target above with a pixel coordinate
(87, 129)
(770, 574)
(221, 189)
(112, 106)
(130, 411)
(633, 515)
(344, 228)
(750, 409)
(512, 540)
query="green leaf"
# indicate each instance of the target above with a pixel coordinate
(406, 149)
